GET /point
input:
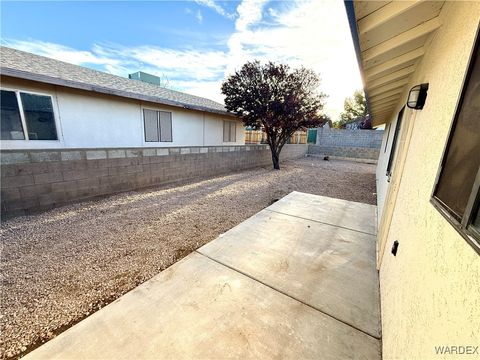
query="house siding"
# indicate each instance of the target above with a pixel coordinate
(90, 120)
(430, 291)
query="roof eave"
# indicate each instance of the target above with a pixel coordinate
(350, 9)
(5, 71)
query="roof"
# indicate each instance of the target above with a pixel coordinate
(390, 38)
(24, 65)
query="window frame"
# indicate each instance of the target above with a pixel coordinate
(56, 118)
(145, 127)
(394, 147)
(230, 122)
(160, 126)
(471, 236)
(157, 111)
(388, 136)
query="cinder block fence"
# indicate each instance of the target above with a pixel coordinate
(350, 144)
(36, 180)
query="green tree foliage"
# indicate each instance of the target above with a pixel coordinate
(276, 99)
(353, 108)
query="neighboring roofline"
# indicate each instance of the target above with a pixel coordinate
(358, 118)
(352, 21)
(6, 71)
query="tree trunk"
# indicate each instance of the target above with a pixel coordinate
(275, 159)
(276, 144)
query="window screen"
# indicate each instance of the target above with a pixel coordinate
(165, 126)
(476, 220)
(398, 127)
(229, 131)
(388, 135)
(150, 119)
(39, 118)
(461, 160)
(11, 122)
(226, 131)
(233, 131)
(158, 125)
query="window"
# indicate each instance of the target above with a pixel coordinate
(27, 116)
(388, 135)
(165, 119)
(398, 127)
(150, 120)
(158, 125)
(456, 191)
(12, 128)
(229, 131)
(38, 113)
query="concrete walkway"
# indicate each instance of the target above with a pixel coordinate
(296, 280)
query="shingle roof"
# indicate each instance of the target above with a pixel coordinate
(24, 65)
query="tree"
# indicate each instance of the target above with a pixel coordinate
(276, 99)
(354, 107)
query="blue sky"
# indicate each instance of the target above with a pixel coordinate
(193, 44)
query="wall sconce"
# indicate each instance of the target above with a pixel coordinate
(417, 96)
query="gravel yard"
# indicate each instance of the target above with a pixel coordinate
(60, 266)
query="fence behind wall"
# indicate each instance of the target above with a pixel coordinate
(259, 137)
(255, 137)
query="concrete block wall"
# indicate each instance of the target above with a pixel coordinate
(345, 152)
(345, 143)
(36, 180)
(349, 138)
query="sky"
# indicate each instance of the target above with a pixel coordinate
(194, 45)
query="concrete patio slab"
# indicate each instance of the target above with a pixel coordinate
(200, 309)
(343, 213)
(329, 268)
(279, 285)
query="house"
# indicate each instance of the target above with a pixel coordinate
(48, 104)
(69, 133)
(361, 122)
(420, 64)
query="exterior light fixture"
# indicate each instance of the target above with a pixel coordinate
(417, 96)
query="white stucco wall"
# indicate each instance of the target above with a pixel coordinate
(90, 120)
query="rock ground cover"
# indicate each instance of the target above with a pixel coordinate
(62, 265)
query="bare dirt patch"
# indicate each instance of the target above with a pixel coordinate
(60, 266)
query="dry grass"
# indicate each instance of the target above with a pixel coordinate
(62, 265)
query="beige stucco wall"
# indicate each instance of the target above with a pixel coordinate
(430, 292)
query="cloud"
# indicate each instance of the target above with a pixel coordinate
(188, 63)
(213, 5)
(195, 72)
(249, 12)
(59, 52)
(283, 32)
(295, 35)
(199, 17)
(209, 89)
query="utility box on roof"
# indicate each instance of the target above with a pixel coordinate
(149, 78)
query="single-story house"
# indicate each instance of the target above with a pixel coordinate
(69, 133)
(49, 104)
(420, 62)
